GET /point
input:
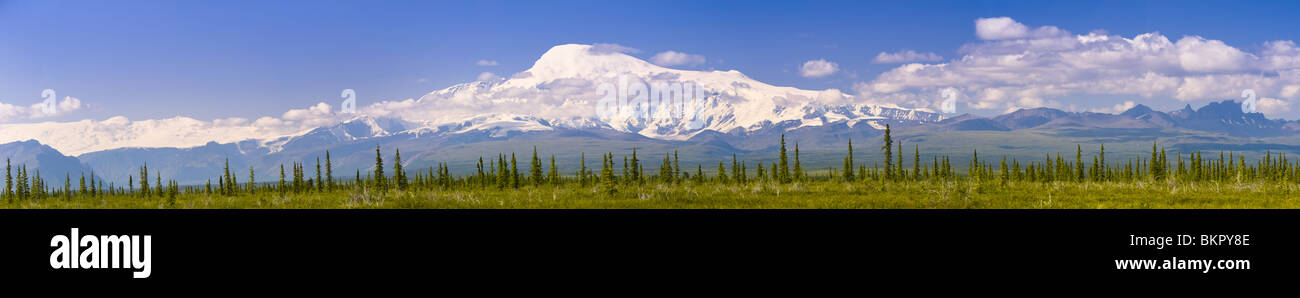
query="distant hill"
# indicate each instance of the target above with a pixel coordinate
(52, 165)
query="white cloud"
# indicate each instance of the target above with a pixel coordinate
(610, 48)
(488, 77)
(906, 56)
(1117, 108)
(999, 28)
(486, 62)
(1196, 54)
(1002, 28)
(13, 113)
(1015, 66)
(818, 68)
(1272, 106)
(75, 138)
(674, 58)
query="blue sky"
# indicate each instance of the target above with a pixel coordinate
(215, 59)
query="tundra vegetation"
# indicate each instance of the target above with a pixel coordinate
(1084, 180)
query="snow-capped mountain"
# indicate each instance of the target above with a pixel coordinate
(563, 89)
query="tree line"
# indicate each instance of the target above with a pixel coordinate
(503, 173)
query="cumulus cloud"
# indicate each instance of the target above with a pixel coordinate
(906, 56)
(486, 62)
(14, 113)
(1001, 28)
(1014, 65)
(674, 58)
(488, 77)
(818, 68)
(1117, 108)
(75, 138)
(1272, 106)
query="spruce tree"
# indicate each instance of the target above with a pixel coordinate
(798, 169)
(329, 172)
(514, 172)
(554, 175)
(398, 174)
(735, 170)
(320, 182)
(536, 169)
(916, 162)
(144, 180)
(783, 174)
(666, 169)
(9, 182)
(722, 173)
(889, 154)
(67, 186)
(582, 170)
(252, 186)
(379, 170)
(281, 186)
(848, 163)
(900, 174)
(677, 171)
(607, 173)
(636, 166)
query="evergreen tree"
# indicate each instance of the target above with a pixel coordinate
(535, 169)
(281, 186)
(636, 167)
(848, 162)
(320, 182)
(783, 174)
(144, 180)
(398, 174)
(67, 186)
(582, 170)
(252, 186)
(226, 187)
(379, 170)
(554, 175)
(666, 169)
(482, 179)
(735, 170)
(889, 154)
(9, 182)
(900, 173)
(81, 186)
(329, 173)
(607, 172)
(1002, 171)
(798, 169)
(676, 170)
(722, 173)
(916, 162)
(514, 172)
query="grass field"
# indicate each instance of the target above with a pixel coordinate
(827, 194)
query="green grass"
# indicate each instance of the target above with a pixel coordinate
(960, 194)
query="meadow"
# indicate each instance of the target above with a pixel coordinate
(1186, 181)
(688, 195)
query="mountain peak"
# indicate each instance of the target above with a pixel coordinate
(1137, 110)
(578, 60)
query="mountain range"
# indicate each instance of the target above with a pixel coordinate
(549, 106)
